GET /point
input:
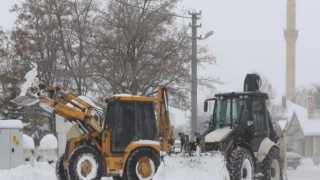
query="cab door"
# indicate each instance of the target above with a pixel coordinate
(260, 123)
(123, 126)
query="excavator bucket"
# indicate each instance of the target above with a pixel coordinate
(25, 101)
(29, 89)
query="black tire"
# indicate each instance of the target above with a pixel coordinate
(61, 173)
(272, 166)
(117, 178)
(142, 157)
(240, 164)
(82, 159)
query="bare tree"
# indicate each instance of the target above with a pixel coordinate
(141, 47)
(55, 35)
(35, 37)
(117, 47)
(11, 71)
(303, 93)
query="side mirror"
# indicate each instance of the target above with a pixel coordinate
(205, 108)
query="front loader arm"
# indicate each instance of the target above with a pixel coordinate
(165, 130)
(81, 111)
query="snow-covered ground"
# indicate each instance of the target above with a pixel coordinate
(190, 168)
(39, 171)
(174, 168)
(306, 171)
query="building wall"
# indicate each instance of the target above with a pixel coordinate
(316, 145)
(308, 146)
(295, 137)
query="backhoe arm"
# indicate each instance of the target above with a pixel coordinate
(165, 129)
(81, 111)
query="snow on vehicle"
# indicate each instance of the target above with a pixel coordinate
(293, 158)
(241, 128)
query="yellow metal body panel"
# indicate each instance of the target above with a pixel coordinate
(165, 129)
(116, 163)
(130, 98)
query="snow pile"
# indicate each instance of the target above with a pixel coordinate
(11, 123)
(48, 142)
(39, 171)
(30, 78)
(28, 142)
(47, 148)
(207, 167)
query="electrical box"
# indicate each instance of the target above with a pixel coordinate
(11, 147)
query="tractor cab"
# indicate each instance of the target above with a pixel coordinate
(130, 118)
(244, 110)
(241, 128)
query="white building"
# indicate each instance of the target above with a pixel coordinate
(303, 133)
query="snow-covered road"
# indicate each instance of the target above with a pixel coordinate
(306, 171)
(203, 169)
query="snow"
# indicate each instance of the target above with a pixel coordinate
(11, 123)
(310, 127)
(28, 142)
(179, 167)
(48, 142)
(89, 101)
(147, 142)
(282, 124)
(123, 95)
(39, 171)
(306, 171)
(30, 78)
(173, 168)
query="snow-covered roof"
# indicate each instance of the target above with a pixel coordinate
(11, 123)
(310, 127)
(282, 124)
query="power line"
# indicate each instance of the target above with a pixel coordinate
(154, 11)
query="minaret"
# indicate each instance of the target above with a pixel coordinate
(291, 35)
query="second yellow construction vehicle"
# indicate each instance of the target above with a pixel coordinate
(126, 144)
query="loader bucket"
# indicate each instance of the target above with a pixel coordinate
(25, 101)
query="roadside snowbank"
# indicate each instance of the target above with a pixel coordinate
(39, 171)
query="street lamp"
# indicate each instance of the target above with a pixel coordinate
(208, 34)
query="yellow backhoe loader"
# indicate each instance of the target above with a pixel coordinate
(125, 144)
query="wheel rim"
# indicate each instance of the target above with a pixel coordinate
(275, 170)
(145, 168)
(87, 168)
(246, 170)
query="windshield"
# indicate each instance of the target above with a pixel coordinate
(224, 113)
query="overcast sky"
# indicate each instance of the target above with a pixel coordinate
(248, 37)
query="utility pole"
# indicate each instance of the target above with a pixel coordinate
(194, 85)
